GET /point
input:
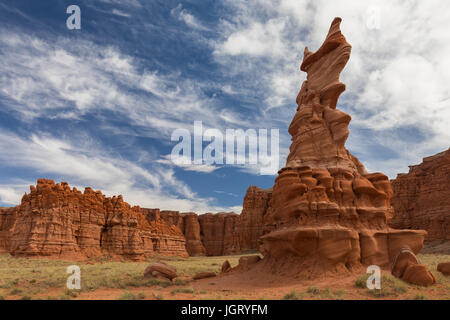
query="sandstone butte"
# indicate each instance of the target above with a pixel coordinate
(326, 212)
(55, 220)
(422, 197)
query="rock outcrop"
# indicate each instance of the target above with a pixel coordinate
(55, 220)
(249, 226)
(217, 232)
(224, 233)
(8, 218)
(326, 212)
(188, 223)
(422, 197)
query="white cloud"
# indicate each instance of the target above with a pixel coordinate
(187, 164)
(191, 21)
(68, 79)
(120, 13)
(10, 195)
(87, 164)
(397, 76)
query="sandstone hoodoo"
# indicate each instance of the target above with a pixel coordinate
(55, 220)
(422, 197)
(326, 212)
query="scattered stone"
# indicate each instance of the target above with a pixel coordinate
(158, 269)
(204, 275)
(226, 266)
(444, 268)
(407, 267)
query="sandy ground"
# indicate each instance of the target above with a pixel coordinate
(45, 279)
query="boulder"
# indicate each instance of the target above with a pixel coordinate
(407, 267)
(246, 262)
(226, 266)
(159, 269)
(204, 275)
(444, 268)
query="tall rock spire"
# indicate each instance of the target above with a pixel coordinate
(326, 211)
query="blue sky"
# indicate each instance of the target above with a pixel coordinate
(97, 106)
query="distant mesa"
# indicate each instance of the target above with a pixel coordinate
(55, 220)
(422, 198)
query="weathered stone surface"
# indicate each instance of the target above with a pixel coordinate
(249, 225)
(8, 218)
(407, 267)
(204, 275)
(422, 197)
(217, 232)
(188, 223)
(158, 269)
(444, 267)
(55, 220)
(326, 212)
(222, 233)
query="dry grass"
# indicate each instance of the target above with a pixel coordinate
(27, 278)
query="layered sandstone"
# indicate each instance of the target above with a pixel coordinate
(326, 211)
(217, 232)
(55, 220)
(8, 218)
(188, 223)
(422, 197)
(249, 226)
(226, 233)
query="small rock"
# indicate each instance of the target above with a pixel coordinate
(203, 275)
(444, 268)
(226, 266)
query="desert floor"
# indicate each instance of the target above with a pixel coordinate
(31, 278)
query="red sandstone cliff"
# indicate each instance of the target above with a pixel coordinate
(214, 234)
(55, 220)
(422, 197)
(249, 226)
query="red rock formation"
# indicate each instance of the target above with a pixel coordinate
(217, 232)
(188, 223)
(444, 268)
(406, 266)
(7, 223)
(326, 212)
(249, 225)
(55, 220)
(222, 233)
(422, 197)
